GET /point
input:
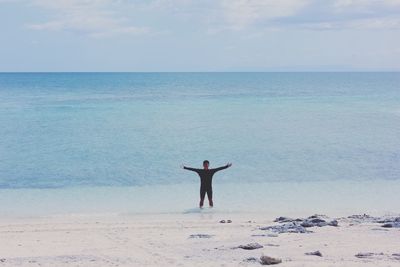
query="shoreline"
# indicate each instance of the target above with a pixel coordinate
(336, 198)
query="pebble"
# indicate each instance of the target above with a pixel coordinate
(314, 253)
(251, 246)
(200, 236)
(266, 260)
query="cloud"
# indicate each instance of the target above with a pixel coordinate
(100, 18)
(97, 18)
(368, 4)
(240, 14)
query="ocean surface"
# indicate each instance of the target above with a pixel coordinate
(69, 131)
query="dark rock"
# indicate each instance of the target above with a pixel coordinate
(334, 223)
(200, 236)
(312, 221)
(364, 255)
(287, 219)
(222, 221)
(250, 246)
(283, 219)
(367, 254)
(390, 222)
(314, 253)
(266, 260)
(229, 221)
(391, 225)
(291, 227)
(2, 260)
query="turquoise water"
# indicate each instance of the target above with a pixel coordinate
(65, 130)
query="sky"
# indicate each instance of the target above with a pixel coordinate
(199, 35)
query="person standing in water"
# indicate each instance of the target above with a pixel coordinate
(206, 176)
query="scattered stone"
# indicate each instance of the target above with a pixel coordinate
(229, 221)
(272, 245)
(314, 220)
(250, 246)
(222, 221)
(291, 227)
(314, 253)
(201, 236)
(388, 222)
(266, 260)
(288, 225)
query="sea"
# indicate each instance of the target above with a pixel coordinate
(114, 142)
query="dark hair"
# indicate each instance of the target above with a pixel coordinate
(206, 161)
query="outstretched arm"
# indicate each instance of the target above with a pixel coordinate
(223, 167)
(189, 168)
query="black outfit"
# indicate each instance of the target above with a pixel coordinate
(206, 180)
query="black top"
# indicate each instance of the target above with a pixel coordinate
(206, 175)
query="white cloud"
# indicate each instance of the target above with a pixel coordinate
(365, 3)
(101, 18)
(242, 13)
(94, 17)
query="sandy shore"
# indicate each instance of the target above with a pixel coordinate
(193, 239)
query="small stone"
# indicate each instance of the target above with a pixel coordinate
(314, 253)
(333, 223)
(250, 259)
(229, 221)
(251, 246)
(283, 219)
(222, 221)
(364, 254)
(200, 236)
(266, 260)
(272, 245)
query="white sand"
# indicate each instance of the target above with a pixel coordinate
(164, 240)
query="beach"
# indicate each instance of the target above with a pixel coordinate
(200, 133)
(203, 238)
(90, 176)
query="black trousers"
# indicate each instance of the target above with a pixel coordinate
(204, 190)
